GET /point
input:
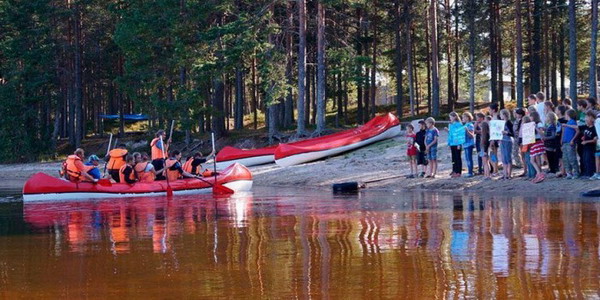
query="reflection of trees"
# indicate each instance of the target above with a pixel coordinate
(434, 246)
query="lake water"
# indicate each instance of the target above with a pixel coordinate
(300, 243)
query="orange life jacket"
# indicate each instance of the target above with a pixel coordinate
(74, 168)
(122, 174)
(188, 165)
(142, 175)
(117, 159)
(172, 175)
(157, 152)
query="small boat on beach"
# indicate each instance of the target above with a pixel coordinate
(43, 187)
(377, 129)
(247, 157)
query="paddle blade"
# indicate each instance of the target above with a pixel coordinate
(104, 182)
(169, 191)
(219, 189)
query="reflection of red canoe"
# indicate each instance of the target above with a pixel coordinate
(379, 128)
(246, 157)
(45, 187)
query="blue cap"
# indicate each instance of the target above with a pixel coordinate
(93, 157)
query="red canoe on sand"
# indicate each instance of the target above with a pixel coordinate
(379, 128)
(43, 187)
(247, 157)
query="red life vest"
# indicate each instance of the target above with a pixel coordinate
(122, 174)
(74, 168)
(157, 152)
(142, 175)
(117, 159)
(172, 175)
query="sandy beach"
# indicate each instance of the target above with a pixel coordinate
(383, 160)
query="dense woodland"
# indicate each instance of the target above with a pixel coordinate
(230, 65)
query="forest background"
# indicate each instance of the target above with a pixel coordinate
(275, 66)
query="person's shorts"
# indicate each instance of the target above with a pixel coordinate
(494, 158)
(482, 154)
(537, 149)
(432, 154)
(421, 158)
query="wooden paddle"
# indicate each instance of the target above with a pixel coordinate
(217, 188)
(169, 188)
(107, 150)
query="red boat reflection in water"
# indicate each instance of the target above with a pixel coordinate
(304, 244)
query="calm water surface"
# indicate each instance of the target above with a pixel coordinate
(299, 243)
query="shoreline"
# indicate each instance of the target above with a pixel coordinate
(379, 161)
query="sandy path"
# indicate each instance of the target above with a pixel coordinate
(381, 160)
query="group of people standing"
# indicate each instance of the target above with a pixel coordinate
(566, 142)
(123, 167)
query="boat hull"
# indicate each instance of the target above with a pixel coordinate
(378, 129)
(43, 187)
(247, 157)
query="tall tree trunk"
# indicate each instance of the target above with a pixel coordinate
(456, 48)
(398, 53)
(78, 84)
(301, 67)
(493, 54)
(372, 105)
(562, 67)
(450, 87)
(499, 54)
(360, 82)
(340, 101)
(307, 96)
(409, 54)
(288, 118)
(320, 67)
(254, 93)
(536, 47)
(471, 13)
(572, 52)
(435, 82)
(218, 102)
(519, 50)
(554, 63)
(593, 78)
(239, 98)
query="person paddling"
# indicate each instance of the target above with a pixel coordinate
(193, 165)
(173, 168)
(157, 152)
(116, 160)
(126, 172)
(75, 170)
(144, 170)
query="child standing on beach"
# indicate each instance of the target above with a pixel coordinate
(411, 150)
(469, 144)
(480, 118)
(569, 135)
(485, 148)
(455, 146)
(506, 144)
(422, 154)
(588, 142)
(537, 150)
(431, 143)
(518, 141)
(550, 142)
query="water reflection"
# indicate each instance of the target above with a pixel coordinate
(417, 245)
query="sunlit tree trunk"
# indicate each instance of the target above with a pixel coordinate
(519, 50)
(435, 83)
(409, 56)
(301, 67)
(320, 68)
(398, 57)
(572, 52)
(593, 79)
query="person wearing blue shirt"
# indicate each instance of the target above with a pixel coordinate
(92, 163)
(469, 143)
(569, 146)
(431, 143)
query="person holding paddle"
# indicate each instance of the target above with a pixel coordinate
(116, 159)
(174, 169)
(157, 152)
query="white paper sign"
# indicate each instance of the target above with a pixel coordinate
(528, 133)
(496, 128)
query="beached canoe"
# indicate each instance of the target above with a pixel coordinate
(379, 128)
(247, 157)
(43, 187)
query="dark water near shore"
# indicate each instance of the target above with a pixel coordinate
(299, 243)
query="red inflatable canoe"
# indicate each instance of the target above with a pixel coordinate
(246, 157)
(379, 128)
(42, 187)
